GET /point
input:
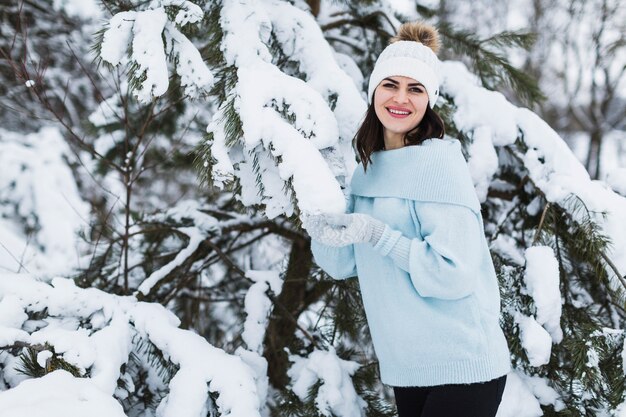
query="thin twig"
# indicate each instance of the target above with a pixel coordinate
(543, 216)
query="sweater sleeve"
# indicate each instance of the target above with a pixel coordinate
(443, 263)
(338, 262)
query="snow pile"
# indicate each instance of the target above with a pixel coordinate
(295, 131)
(41, 211)
(258, 306)
(149, 54)
(59, 394)
(523, 396)
(336, 395)
(142, 32)
(541, 278)
(535, 340)
(541, 282)
(95, 331)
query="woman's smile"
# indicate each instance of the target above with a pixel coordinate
(398, 112)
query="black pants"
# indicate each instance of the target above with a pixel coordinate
(455, 400)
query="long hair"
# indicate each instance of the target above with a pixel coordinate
(369, 137)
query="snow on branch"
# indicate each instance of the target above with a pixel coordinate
(541, 278)
(148, 39)
(41, 210)
(336, 395)
(292, 114)
(258, 307)
(59, 393)
(188, 12)
(541, 282)
(96, 332)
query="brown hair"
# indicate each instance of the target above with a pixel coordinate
(369, 137)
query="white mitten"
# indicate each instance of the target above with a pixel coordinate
(343, 229)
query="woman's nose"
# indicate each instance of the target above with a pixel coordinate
(401, 96)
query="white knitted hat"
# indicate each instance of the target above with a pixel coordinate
(409, 59)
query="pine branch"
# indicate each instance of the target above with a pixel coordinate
(493, 67)
(30, 366)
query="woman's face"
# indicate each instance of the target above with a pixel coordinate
(400, 104)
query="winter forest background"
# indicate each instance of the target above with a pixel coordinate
(155, 157)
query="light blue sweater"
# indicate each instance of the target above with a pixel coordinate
(434, 319)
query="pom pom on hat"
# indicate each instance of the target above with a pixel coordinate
(411, 54)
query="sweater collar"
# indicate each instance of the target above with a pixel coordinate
(434, 171)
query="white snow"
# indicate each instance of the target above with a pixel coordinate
(42, 358)
(484, 161)
(117, 37)
(189, 12)
(202, 223)
(39, 193)
(264, 92)
(336, 395)
(545, 394)
(11, 312)
(506, 245)
(195, 239)
(297, 129)
(195, 76)
(149, 54)
(109, 111)
(58, 394)
(541, 279)
(223, 170)
(617, 180)
(106, 347)
(535, 339)
(524, 394)
(257, 306)
(145, 30)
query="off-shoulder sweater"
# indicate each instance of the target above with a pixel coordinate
(433, 313)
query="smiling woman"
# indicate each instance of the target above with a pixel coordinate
(414, 236)
(403, 89)
(400, 104)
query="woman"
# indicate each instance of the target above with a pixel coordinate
(414, 235)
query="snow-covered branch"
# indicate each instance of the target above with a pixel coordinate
(97, 332)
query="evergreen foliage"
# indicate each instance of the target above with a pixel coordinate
(586, 367)
(31, 367)
(489, 61)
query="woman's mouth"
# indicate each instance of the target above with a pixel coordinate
(397, 113)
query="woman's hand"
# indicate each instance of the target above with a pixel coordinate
(343, 229)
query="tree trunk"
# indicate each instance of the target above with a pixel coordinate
(282, 327)
(593, 154)
(315, 6)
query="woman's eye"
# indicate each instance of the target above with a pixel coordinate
(389, 85)
(417, 90)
